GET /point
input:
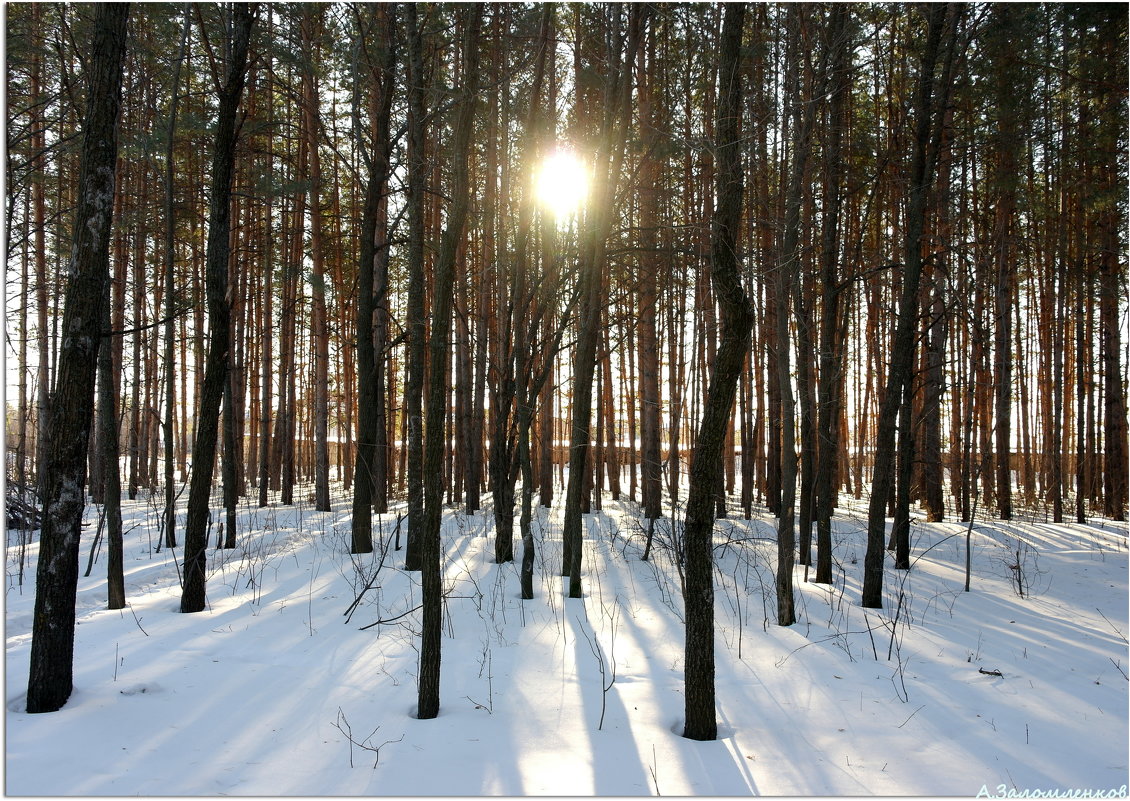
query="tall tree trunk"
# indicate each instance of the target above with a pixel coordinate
(215, 375)
(371, 463)
(650, 418)
(736, 324)
(598, 220)
(171, 296)
(787, 277)
(1006, 102)
(929, 105)
(431, 568)
(1114, 409)
(39, 214)
(311, 27)
(830, 376)
(414, 386)
(52, 644)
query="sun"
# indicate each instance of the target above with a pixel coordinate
(562, 183)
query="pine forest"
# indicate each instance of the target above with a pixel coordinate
(675, 398)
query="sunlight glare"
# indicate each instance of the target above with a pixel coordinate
(562, 183)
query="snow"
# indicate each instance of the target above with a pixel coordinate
(261, 693)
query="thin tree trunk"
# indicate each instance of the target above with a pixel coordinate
(928, 105)
(38, 203)
(311, 25)
(830, 378)
(1114, 408)
(170, 291)
(215, 376)
(617, 93)
(414, 386)
(431, 570)
(112, 491)
(370, 481)
(788, 275)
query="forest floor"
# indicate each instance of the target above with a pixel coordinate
(276, 689)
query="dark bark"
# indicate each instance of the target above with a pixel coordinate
(900, 528)
(831, 374)
(736, 323)
(522, 376)
(598, 220)
(112, 490)
(929, 103)
(414, 385)
(372, 279)
(170, 293)
(215, 372)
(68, 430)
(787, 279)
(1006, 102)
(430, 568)
(266, 363)
(229, 459)
(933, 385)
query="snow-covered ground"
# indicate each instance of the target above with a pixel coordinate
(262, 693)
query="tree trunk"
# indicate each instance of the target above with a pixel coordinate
(788, 275)
(64, 471)
(112, 491)
(736, 323)
(170, 292)
(372, 289)
(431, 569)
(414, 386)
(598, 220)
(929, 104)
(311, 25)
(215, 376)
(830, 375)
(1114, 410)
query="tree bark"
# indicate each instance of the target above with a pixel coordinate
(431, 568)
(372, 289)
(928, 107)
(414, 385)
(68, 431)
(112, 490)
(736, 323)
(215, 375)
(613, 134)
(787, 277)
(170, 292)
(831, 373)
(311, 25)
(650, 418)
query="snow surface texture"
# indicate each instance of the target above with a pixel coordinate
(273, 691)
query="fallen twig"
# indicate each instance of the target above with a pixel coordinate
(342, 725)
(912, 714)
